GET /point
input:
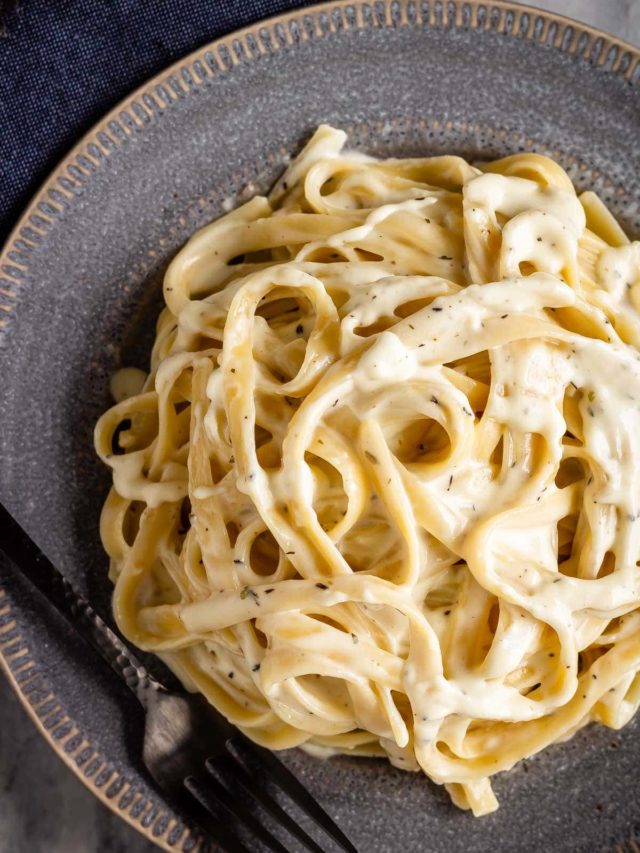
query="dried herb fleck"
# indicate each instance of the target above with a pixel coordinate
(248, 592)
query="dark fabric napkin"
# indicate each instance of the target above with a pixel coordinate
(65, 63)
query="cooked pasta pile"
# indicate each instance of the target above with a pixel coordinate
(380, 491)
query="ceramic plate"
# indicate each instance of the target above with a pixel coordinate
(80, 285)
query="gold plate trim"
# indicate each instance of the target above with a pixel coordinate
(132, 116)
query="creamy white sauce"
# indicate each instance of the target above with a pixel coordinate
(127, 382)
(403, 439)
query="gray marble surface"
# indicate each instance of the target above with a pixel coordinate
(36, 787)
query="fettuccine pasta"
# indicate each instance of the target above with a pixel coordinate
(379, 493)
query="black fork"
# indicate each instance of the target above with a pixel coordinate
(213, 773)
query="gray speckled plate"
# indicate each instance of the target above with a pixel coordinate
(80, 278)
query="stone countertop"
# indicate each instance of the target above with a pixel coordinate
(36, 786)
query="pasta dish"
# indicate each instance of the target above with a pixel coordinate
(379, 493)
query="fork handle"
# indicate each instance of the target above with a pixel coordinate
(23, 552)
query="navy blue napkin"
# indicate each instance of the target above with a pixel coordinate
(65, 63)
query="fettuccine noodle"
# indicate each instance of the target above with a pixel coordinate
(380, 491)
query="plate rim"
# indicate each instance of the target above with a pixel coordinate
(132, 115)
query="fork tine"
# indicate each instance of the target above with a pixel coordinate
(219, 831)
(292, 787)
(231, 768)
(211, 787)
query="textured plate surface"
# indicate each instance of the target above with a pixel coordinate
(79, 286)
